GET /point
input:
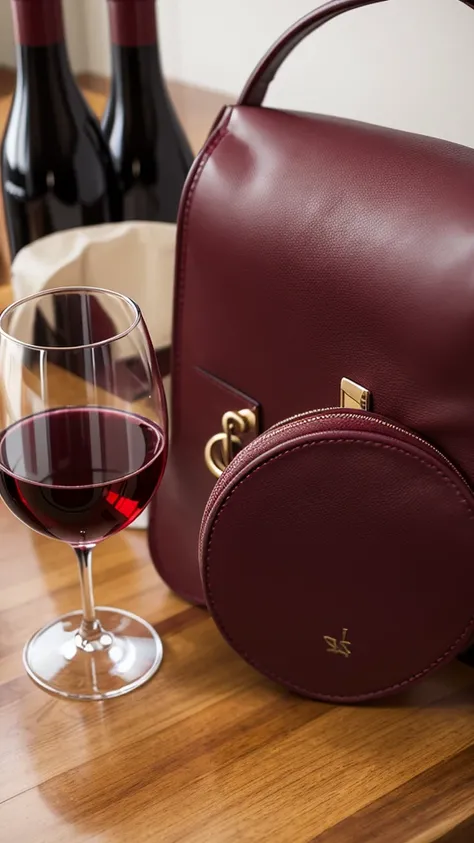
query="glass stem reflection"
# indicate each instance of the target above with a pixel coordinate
(90, 628)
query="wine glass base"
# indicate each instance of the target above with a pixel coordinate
(127, 654)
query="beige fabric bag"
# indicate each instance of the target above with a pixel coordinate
(133, 258)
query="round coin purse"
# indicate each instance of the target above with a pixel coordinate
(337, 556)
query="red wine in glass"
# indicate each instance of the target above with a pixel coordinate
(83, 445)
(80, 474)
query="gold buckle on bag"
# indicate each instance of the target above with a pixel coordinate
(223, 447)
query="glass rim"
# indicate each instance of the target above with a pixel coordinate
(74, 289)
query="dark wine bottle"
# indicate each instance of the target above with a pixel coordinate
(57, 171)
(151, 153)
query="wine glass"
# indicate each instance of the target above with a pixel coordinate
(82, 451)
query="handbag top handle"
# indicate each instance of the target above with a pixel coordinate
(257, 86)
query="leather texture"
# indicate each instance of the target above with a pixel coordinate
(340, 522)
(312, 248)
(174, 524)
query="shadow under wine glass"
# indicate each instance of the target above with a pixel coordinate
(83, 450)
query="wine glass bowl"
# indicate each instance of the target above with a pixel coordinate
(82, 451)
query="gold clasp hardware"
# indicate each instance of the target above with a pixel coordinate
(355, 396)
(223, 447)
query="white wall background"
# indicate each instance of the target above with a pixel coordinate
(405, 63)
(75, 20)
(7, 50)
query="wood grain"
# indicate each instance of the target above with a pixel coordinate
(208, 751)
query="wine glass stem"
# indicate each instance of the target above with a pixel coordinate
(90, 627)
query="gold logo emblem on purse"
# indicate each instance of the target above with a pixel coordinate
(339, 648)
(223, 447)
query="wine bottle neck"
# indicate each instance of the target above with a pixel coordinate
(137, 78)
(136, 74)
(43, 65)
(132, 22)
(38, 23)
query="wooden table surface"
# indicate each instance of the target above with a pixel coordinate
(208, 751)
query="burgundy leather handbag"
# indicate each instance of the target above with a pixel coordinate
(336, 555)
(324, 262)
